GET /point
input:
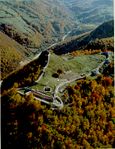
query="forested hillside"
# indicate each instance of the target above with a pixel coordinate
(25, 75)
(12, 53)
(86, 122)
(57, 74)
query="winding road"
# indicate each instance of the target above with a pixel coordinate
(55, 101)
(80, 76)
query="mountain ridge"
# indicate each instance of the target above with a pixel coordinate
(103, 31)
(42, 23)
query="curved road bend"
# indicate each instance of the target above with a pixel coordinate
(77, 78)
(57, 102)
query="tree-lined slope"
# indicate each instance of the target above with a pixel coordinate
(86, 122)
(11, 54)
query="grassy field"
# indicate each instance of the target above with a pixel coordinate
(71, 66)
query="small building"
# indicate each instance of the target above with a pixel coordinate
(47, 89)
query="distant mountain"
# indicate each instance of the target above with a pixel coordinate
(35, 23)
(40, 23)
(103, 31)
(91, 11)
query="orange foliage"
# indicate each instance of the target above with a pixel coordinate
(85, 52)
(107, 81)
